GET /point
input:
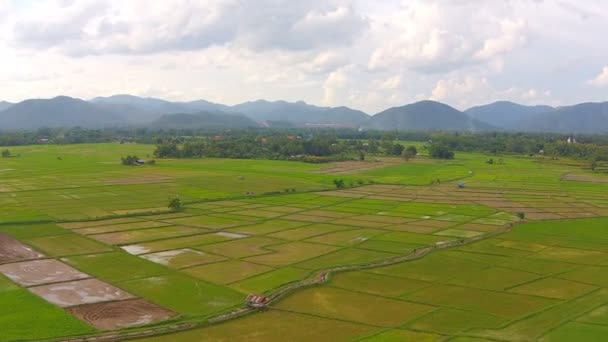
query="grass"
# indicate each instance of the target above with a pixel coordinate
(545, 279)
(66, 244)
(264, 327)
(183, 294)
(376, 284)
(227, 271)
(352, 306)
(268, 281)
(24, 316)
(115, 267)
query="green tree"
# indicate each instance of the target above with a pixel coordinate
(440, 151)
(339, 183)
(175, 204)
(6, 153)
(129, 160)
(409, 153)
(397, 149)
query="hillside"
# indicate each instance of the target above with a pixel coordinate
(425, 116)
(203, 120)
(61, 111)
(138, 109)
(300, 113)
(505, 114)
(587, 118)
(4, 105)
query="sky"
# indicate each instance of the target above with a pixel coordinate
(368, 55)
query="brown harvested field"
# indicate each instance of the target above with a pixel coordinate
(327, 213)
(520, 210)
(120, 227)
(392, 198)
(143, 235)
(87, 224)
(39, 272)
(12, 250)
(348, 167)
(121, 314)
(138, 211)
(412, 228)
(583, 178)
(341, 193)
(577, 215)
(435, 223)
(543, 216)
(147, 179)
(359, 223)
(79, 292)
(383, 219)
(478, 227)
(306, 218)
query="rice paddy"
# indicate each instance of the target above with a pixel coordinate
(91, 245)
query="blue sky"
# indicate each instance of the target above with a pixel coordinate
(368, 55)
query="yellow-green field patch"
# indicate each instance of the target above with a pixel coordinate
(291, 253)
(67, 244)
(353, 306)
(553, 288)
(226, 272)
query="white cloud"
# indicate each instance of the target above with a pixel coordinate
(365, 54)
(433, 36)
(600, 80)
(467, 91)
(512, 35)
(96, 27)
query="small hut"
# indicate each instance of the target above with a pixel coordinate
(257, 301)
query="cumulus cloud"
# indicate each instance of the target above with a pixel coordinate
(467, 91)
(600, 80)
(365, 54)
(94, 27)
(435, 36)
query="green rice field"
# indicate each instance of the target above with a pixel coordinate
(518, 254)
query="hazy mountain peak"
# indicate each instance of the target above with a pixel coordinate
(506, 114)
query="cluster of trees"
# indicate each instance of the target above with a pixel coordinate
(440, 151)
(554, 145)
(6, 153)
(319, 145)
(318, 148)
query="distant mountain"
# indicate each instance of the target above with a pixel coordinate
(505, 114)
(61, 111)
(137, 109)
(4, 105)
(587, 118)
(426, 116)
(300, 113)
(203, 120)
(121, 110)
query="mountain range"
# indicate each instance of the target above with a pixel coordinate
(128, 110)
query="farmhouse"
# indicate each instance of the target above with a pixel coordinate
(257, 301)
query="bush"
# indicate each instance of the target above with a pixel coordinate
(6, 153)
(339, 183)
(521, 215)
(440, 152)
(129, 160)
(175, 204)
